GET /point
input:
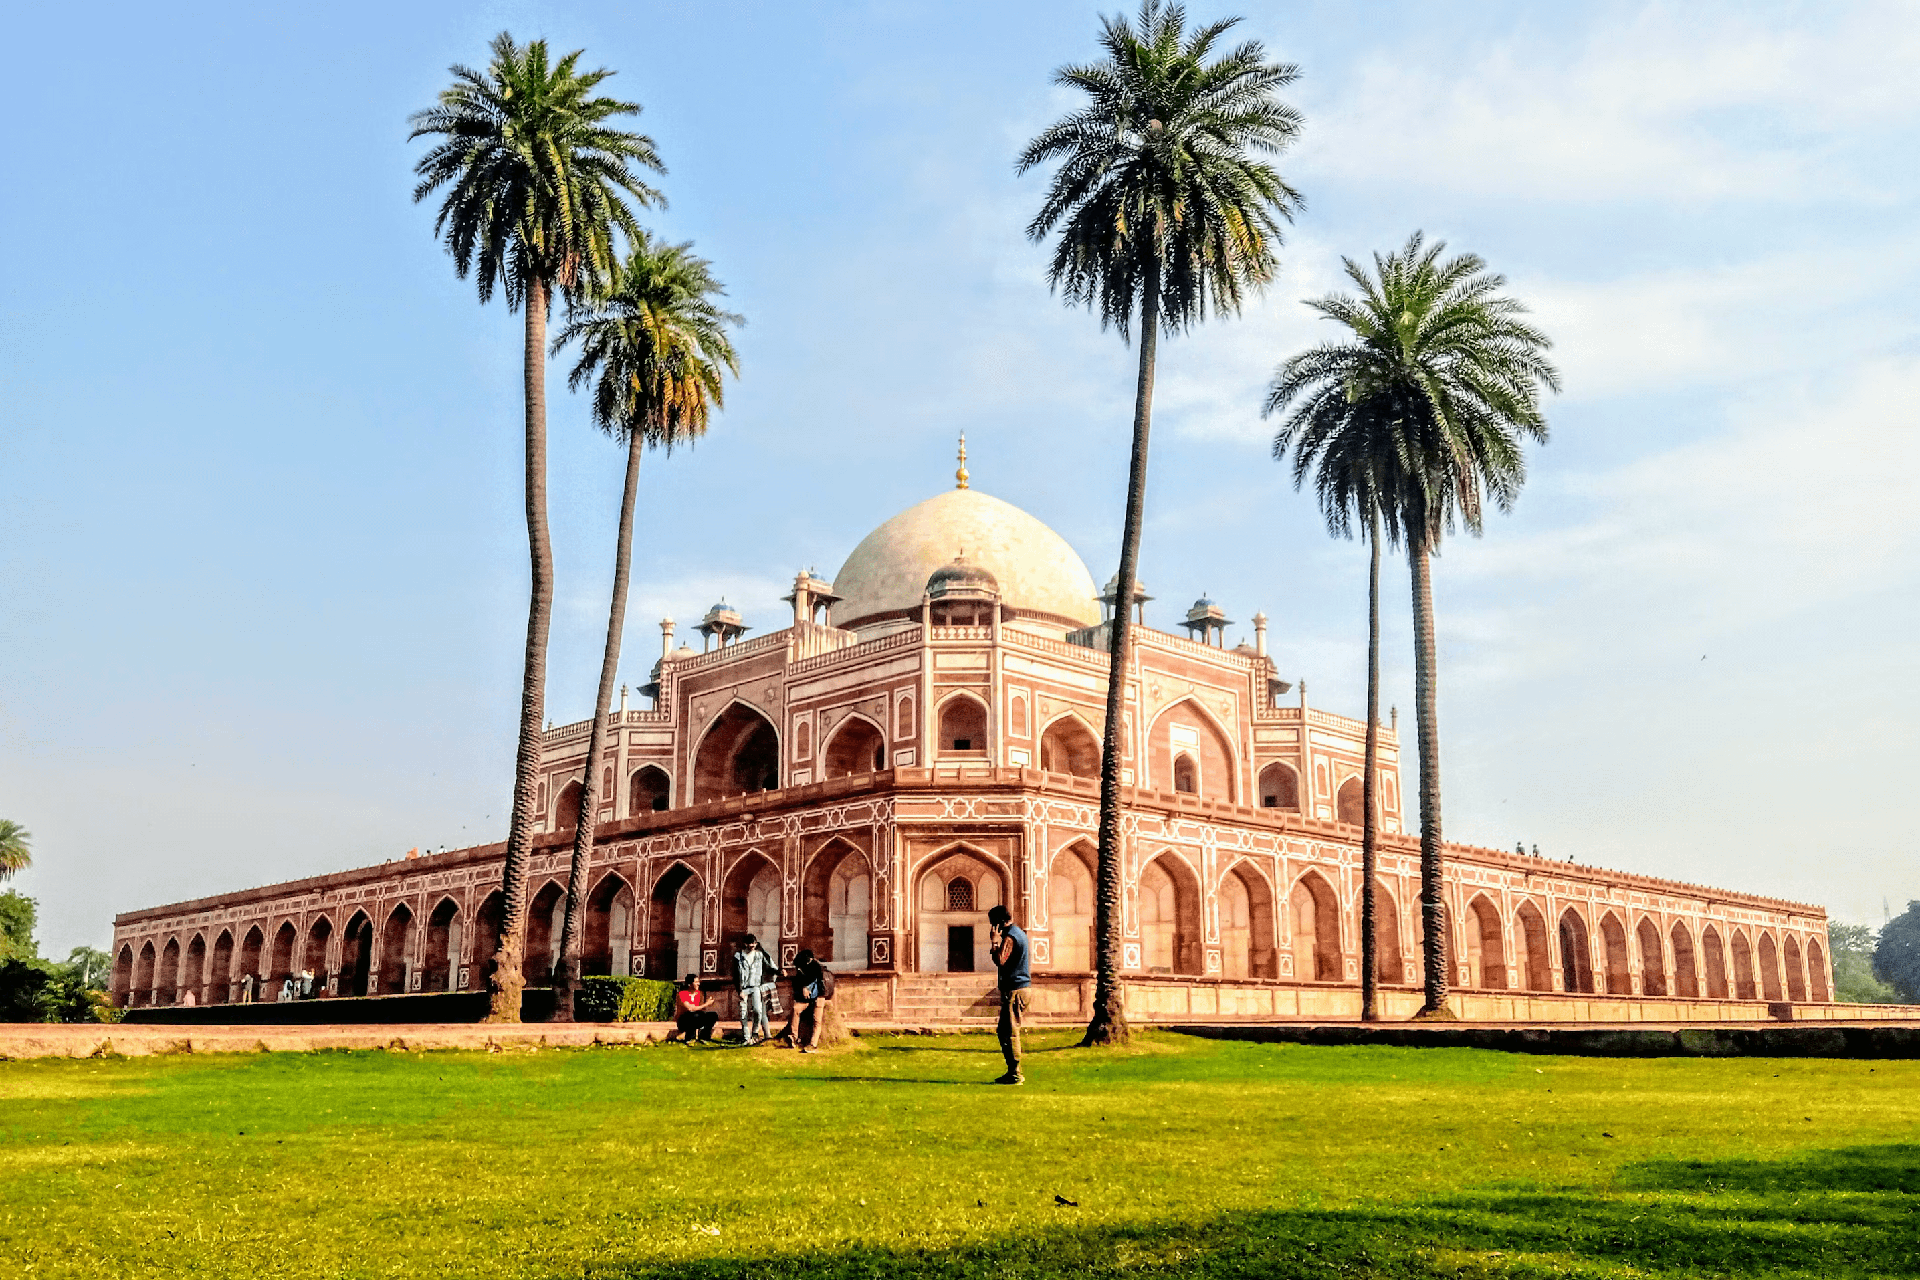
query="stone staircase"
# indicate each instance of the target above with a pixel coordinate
(946, 999)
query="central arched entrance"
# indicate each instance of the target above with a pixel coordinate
(955, 893)
(739, 754)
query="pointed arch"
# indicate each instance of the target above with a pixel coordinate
(1576, 953)
(1389, 963)
(314, 955)
(220, 979)
(750, 902)
(1486, 952)
(1070, 907)
(143, 974)
(193, 971)
(1769, 967)
(1653, 958)
(1187, 727)
(1280, 787)
(440, 958)
(1817, 971)
(1350, 803)
(122, 976)
(489, 919)
(738, 755)
(857, 746)
(649, 790)
(1715, 962)
(356, 954)
(396, 951)
(963, 720)
(251, 947)
(1246, 923)
(1686, 967)
(1069, 746)
(676, 919)
(954, 890)
(546, 914)
(1743, 988)
(285, 939)
(1796, 973)
(1315, 918)
(836, 906)
(166, 985)
(607, 939)
(566, 806)
(1613, 943)
(1170, 924)
(1530, 951)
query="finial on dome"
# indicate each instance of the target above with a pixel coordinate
(960, 476)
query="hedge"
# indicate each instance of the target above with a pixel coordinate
(603, 999)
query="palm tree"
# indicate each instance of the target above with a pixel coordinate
(1164, 209)
(537, 181)
(1344, 439)
(658, 342)
(1444, 380)
(16, 852)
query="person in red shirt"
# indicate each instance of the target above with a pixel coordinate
(693, 1020)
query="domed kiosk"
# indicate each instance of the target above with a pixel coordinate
(1038, 575)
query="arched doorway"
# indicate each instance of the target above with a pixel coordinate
(836, 906)
(649, 790)
(1653, 959)
(1486, 951)
(194, 968)
(1613, 941)
(1350, 804)
(1743, 988)
(566, 807)
(220, 978)
(1315, 917)
(1170, 926)
(396, 951)
(284, 940)
(955, 893)
(608, 936)
(166, 987)
(1716, 961)
(1686, 966)
(1817, 971)
(1070, 909)
(1576, 954)
(676, 919)
(1279, 787)
(1184, 730)
(1246, 923)
(1530, 953)
(546, 917)
(440, 965)
(1069, 747)
(1389, 963)
(1796, 976)
(739, 755)
(1769, 968)
(750, 903)
(250, 948)
(123, 976)
(963, 726)
(857, 746)
(356, 955)
(488, 921)
(143, 975)
(319, 933)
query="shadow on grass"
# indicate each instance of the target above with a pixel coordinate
(1834, 1213)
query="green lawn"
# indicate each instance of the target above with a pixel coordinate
(892, 1157)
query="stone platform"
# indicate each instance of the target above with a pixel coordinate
(86, 1040)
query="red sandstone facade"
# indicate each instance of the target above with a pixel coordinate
(869, 789)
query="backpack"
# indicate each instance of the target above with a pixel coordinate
(826, 983)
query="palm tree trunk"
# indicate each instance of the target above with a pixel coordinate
(1109, 1022)
(566, 975)
(505, 981)
(1433, 912)
(1369, 823)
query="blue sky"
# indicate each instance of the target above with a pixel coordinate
(263, 564)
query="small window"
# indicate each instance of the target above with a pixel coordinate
(1186, 779)
(960, 894)
(903, 719)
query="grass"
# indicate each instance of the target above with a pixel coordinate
(890, 1157)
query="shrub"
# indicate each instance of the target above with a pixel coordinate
(604, 999)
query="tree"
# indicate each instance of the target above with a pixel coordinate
(1343, 437)
(1851, 946)
(1896, 959)
(536, 183)
(18, 916)
(1164, 209)
(659, 346)
(16, 848)
(92, 966)
(1444, 365)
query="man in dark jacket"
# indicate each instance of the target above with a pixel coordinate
(1009, 950)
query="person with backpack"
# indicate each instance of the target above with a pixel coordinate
(750, 979)
(812, 990)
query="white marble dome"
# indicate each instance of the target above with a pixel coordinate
(1037, 571)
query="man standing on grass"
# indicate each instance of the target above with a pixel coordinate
(749, 978)
(1009, 952)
